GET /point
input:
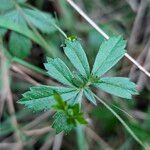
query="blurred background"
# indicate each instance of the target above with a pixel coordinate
(21, 66)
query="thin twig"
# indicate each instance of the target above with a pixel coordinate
(3, 93)
(33, 123)
(28, 78)
(58, 141)
(38, 132)
(8, 146)
(94, 25)
(11, 108)
(48, 143)
(38, 120)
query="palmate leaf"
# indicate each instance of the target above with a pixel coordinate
(110, 52)
(118, 86)
(80, 83)
(77, 56)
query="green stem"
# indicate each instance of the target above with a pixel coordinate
(122, 122)
(81, 137)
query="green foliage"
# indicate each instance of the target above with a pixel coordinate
(59, 71)
(41, 98)
(61, 123)
(89, 95)
(8, 4)
(22, 49)
(144, 135)
(81, 81)
(103, 115)
(67, 116)
(24, 19)
(118, 86)
(77, 56)
(110, 52)
(25, 24)
(2, 32)
(42, 21)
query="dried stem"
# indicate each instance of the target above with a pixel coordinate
(26, 77)
(58, 141)
(11, 108)
(38, 132)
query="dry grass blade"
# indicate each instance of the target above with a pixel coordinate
(10, 104)
(26, 77)
(58, 141)
(38, 132)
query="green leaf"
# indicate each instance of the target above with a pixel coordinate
(118, 86)
(21, 1)
(110, 52)
(8, 4)
(81, 119)
(42, 97)
(78, 98)
(15, 17)
(89, 95)
(2, 32)
(60, 104)
(61, 123)
(67, 116)
(42, 21)
(10, 24)
(76, 109)
(7, 23)
(77, 56)
(78, 80)
(22, 47)
(58, 70)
